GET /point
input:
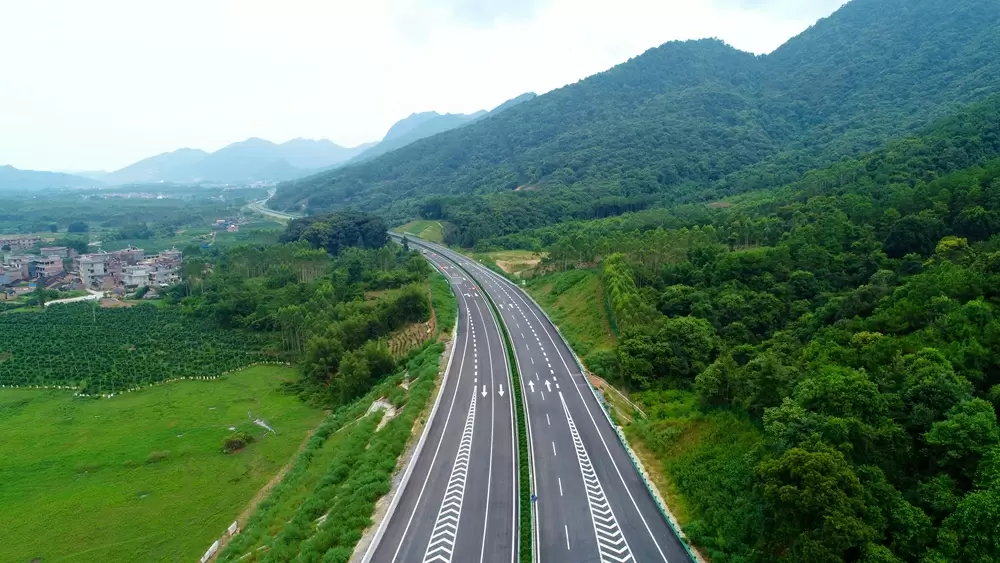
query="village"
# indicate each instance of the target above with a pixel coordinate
(59, 267)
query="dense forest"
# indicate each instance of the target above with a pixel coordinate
(852, 315)
(685, 121)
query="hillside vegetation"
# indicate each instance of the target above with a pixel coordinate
(684, 121)
(820, 364)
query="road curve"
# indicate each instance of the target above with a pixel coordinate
(593, 505)
(460, 502)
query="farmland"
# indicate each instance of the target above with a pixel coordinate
(103, 351)
(140, 477)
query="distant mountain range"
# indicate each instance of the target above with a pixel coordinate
(252, 160)
(243, 162)
(30, 180)
(256, 160)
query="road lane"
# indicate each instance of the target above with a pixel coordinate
(460, 501)
(630, 526)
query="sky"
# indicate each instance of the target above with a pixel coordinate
(100, 84)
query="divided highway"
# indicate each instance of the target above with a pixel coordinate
(459, 503)
(592, 504)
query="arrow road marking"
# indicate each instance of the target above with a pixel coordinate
(484, 390)
(532, 385)
(611, 542)
(501, 390)
(548, 385)
(442, 542)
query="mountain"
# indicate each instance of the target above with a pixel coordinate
(246, 161)
(31, 180)
(164, 167)
(527, 96)
(415, 127)
(689, 120)
(309, 154)
(422, 125)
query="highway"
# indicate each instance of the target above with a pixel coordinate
(459, 502)
(592, 504)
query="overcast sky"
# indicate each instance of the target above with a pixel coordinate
(99, 84)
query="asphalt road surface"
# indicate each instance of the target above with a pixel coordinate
(592, 505)
(460, 503)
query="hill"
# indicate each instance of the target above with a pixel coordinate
(689, 119)
(31, 180)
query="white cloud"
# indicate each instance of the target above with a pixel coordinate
(103, 83)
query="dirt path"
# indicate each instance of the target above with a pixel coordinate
(264, 491)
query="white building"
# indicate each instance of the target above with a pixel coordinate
(93, 269)
(135, 276)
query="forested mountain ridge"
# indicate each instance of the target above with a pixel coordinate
(426, 124)
(688, 118)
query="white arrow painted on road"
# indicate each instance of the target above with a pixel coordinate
(484, 390)
(532, 385)
(501, 389)
(548, 385)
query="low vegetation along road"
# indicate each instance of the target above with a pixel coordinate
(589, 501)
(460, 501)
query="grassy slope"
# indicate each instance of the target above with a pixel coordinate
(74, 470)
(574, 299)
(429, 230)
(345, 469)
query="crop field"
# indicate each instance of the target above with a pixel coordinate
(103, 351)
(140, 477)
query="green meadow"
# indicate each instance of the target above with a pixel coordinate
(140, 477)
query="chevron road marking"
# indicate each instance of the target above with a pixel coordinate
(611, 542)
(442, 542)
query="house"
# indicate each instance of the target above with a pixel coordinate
(60, 251)
(135, 276)
(45, 267)
(233, 228)
(130, 255)
(93, 269)
(20, 243)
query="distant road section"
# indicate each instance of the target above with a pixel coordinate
(260, 206)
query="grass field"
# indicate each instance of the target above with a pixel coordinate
(140, 477)
(429, 230)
